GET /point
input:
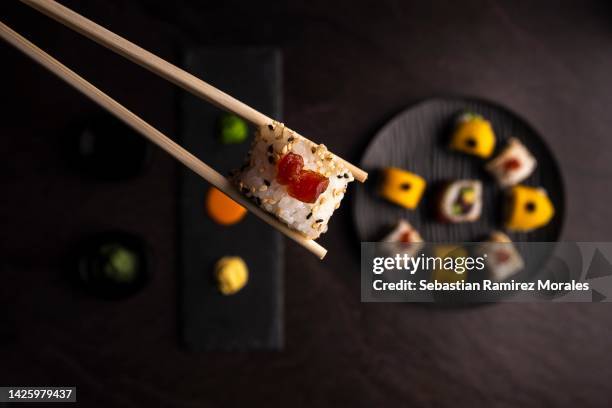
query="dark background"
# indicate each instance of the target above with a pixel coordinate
(348, 66)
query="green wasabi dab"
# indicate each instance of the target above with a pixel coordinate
(121, 263)
(233, 129)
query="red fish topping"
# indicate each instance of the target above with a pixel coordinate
(512, 164)
(289, 168)
(308, 187)
(406, 237)
(303, 185)
(502, 256)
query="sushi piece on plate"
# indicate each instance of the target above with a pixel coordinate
(407, 240)
(528, 208)
(299, 182)
(460, 201)
(402, 187)
(473, 135)
(502, 259)
(513, 165)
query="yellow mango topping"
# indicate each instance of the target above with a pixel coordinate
(530, 208)
(232, 274)
(446, 275)
(402, 187)
(474, 135)
(469, 196)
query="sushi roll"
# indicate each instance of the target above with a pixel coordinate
(407, 240)
(513, 165)
(473, 135)
(402, 187)
(299, 182)
(502, 259)
(528, 208)
(460, 201)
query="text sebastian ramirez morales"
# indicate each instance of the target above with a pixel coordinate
(485, 285)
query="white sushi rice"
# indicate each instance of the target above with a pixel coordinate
(257, 179)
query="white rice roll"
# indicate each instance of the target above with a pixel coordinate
(405, 239)
(257, 179)
(503, 260)
(514, 164)
(454, 206)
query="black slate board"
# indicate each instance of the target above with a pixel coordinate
(251, 319)
(416, 140)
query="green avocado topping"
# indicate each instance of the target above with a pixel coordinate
(464, 201)
(468, 116)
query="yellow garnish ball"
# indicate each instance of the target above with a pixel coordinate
(402, 187)
(474, 135)
(529, 208)
(232, 274)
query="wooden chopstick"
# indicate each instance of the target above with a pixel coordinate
(151, 133)
(160, 67)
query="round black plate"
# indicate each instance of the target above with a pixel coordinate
(417, 139)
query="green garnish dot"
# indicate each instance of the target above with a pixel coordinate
(469, 115)
(122, 264)
(232, 129)
(457, 209)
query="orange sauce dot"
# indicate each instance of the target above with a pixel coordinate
(222, 209)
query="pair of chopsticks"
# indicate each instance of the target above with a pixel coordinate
(171, 73)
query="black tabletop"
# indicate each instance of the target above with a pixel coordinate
(348, 67)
